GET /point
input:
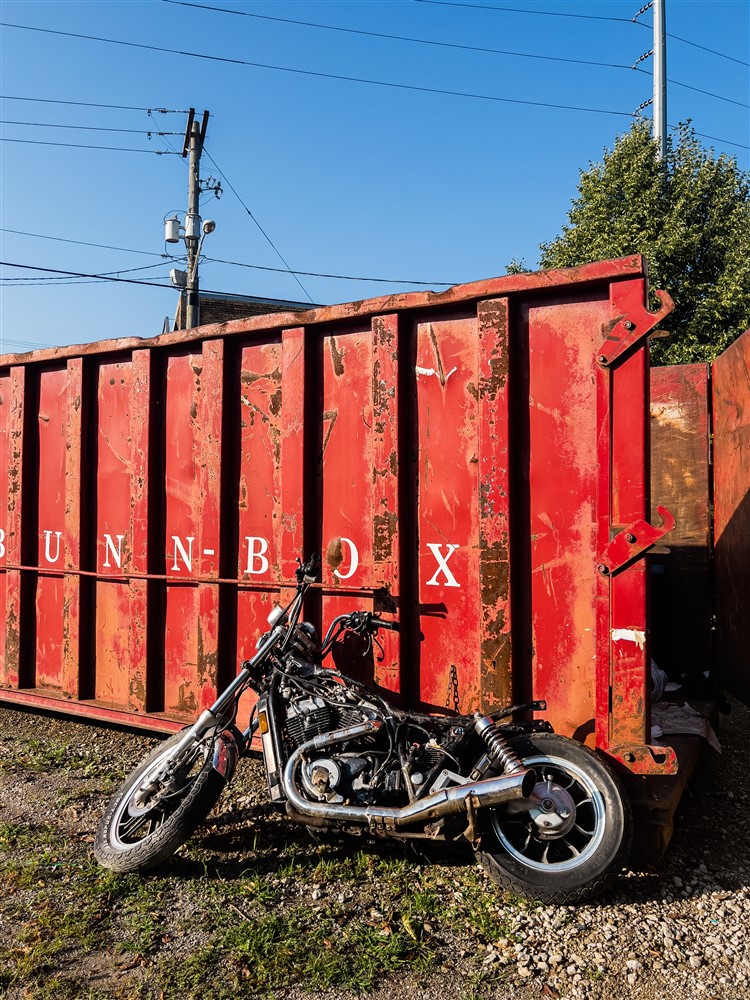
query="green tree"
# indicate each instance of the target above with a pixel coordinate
(689, 215)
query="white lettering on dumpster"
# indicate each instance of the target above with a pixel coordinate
(186, 555)
(353, 560)
(450, 580)
(47, 547)
(2, 543)
(257, 561)
(109, 548)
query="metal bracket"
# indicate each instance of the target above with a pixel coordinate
(641, 758)
(633, 542)
(623, 332)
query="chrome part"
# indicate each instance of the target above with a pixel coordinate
(321, 777)
(142, 812)
(499, 749)
(276, 613)
(446, 778)
(445, 802)
(562, 822)
(226, 752)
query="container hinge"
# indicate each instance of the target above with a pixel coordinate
(641, 758)
(632, 542)
(624, 332)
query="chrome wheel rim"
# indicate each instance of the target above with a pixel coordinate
(132, 823)
(574, 839)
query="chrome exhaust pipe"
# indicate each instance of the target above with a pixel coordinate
(445, 802)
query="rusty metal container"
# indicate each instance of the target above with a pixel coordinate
(681, 598)
(731, 477)
(475, 462)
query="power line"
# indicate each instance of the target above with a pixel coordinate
(448, 45)
(725, 142)
(88, 128)
(319, 74)
(81, 145)
(101, 277)
(234, 263)
(340, 277)
(521, 10)
(705, 48)
(689, 86)
(24, 343)
(104, 274)
(100, 246)
(582, 17)
(88, 104)
(262, 230)
(399, 38)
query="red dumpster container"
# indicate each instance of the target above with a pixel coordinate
(475, 461)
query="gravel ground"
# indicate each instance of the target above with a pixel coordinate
(676, 932)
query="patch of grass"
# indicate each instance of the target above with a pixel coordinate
(43, 941)
(40, 755)
(479, 908)
(301, 947)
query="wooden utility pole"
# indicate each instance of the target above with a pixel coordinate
(195, 135)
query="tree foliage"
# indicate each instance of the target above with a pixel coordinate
(689, 215)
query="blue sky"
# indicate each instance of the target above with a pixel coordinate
(345, 178)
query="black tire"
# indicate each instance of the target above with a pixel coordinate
(582, 851)
(134, 837)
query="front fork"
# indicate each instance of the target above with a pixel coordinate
(211, 719)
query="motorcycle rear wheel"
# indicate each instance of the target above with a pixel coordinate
(576, 839)
(143, 826)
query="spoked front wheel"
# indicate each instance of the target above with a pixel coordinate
(571, 836)
(159, 806)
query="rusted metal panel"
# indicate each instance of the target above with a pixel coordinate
(680, 479)
(494, 391)
(50, 490)
(4, 505)
(731, 404)
(462, 460)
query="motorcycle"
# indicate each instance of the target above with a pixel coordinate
(547, 818)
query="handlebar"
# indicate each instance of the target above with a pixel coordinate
(390, 626)
(308, 572)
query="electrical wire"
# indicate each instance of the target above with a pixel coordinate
(415, 88)
(100, 277)
(103, 274)
(399, 38)
(88, 104)
(698, 90)
(449, 45)
(705, 48)
(52, 283)
(81, 145)
(83, 243)
(583, 17)
(340, 277)
(24, 343)
(262, 230)
(714, 138)
(521, 10)
(88, 128)
(234, 263)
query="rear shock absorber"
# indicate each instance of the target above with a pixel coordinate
(500, 753)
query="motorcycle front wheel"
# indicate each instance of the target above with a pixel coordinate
(148, 819)
(566, 843)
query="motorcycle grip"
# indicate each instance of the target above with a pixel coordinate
(390, 626)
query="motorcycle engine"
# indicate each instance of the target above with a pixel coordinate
(335, 776)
